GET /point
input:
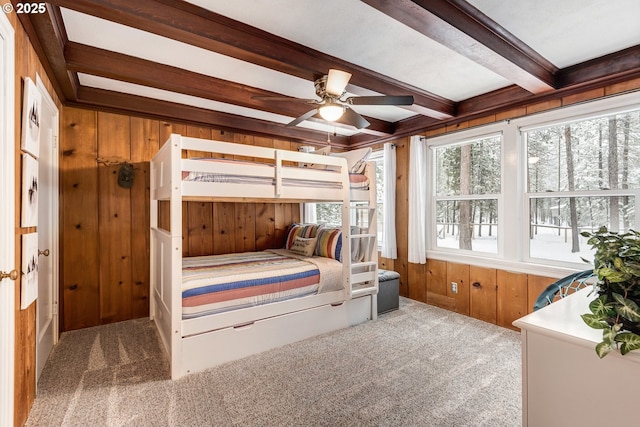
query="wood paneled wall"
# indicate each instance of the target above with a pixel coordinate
(105, 228)
(27, 64)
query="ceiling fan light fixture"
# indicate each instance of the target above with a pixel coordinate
(331, 112)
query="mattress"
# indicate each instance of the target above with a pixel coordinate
(357, 181)
(219, 283)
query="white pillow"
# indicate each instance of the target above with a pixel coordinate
(303, 246)
(356, 159)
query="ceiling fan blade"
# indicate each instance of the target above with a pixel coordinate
(380, 100)
(303, 117)
(355, 119)
(336, 82)
(285, 98)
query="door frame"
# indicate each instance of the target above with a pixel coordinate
(7, 220)
(54, 252)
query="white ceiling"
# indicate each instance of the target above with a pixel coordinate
(568, 32)
(565, 32)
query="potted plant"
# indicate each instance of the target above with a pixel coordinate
(616, 309)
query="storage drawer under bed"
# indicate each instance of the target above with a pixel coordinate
(209, 349)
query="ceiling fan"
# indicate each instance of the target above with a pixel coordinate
(331, 106)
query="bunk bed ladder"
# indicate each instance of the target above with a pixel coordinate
(363, 271)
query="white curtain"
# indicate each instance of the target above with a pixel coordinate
(389, 246)
(418, 201)
(309, 213)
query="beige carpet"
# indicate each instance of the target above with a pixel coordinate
(417, 366)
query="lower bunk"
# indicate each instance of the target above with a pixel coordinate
(203, 351)
(252, 303)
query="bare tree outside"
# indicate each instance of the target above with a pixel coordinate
(573, 211)
(466, 227)
(472, 170)
(593, 156)
(580, 175)
(614, 207)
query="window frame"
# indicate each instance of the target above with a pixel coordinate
(581, 113)
(513, 251)
(452, 140)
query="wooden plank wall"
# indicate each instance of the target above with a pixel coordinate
(27, 64)
(105, 228)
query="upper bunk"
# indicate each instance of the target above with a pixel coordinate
(223, 171)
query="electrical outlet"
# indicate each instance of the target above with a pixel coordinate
(454, 287)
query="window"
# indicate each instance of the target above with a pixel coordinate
(331, 213)
(581, 175)
(467, 189)
(517, 194)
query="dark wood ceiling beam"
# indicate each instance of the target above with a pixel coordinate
(113, 101)
(197, 26)
(461, 27)
(48, 36)
(599, 72)
(113, 65)
(622, 64)
(407, 127)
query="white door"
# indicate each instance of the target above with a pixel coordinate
(47, 302)
(7, 219)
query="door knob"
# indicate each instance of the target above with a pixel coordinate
(45, 252)
(13, 275)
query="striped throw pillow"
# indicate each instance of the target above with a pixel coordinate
(329, 243)
(300, 230)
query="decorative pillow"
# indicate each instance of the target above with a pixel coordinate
(300, 230)
(329, 243)
(302, 246)
(356, 159)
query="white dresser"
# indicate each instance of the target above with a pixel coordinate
(564, 383)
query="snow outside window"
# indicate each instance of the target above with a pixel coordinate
(581, 175)
(467, 188)
(517, 194)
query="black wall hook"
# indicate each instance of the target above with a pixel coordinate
(125, 175)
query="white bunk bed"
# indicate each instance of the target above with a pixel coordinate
(195, 344)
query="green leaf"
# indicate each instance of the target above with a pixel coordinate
(600, 308)
(627, 308)
(608, 335)
(612, 275)
(593, 241)
(603, 348)
(618, 263)
(594, 321)
(629, 340)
